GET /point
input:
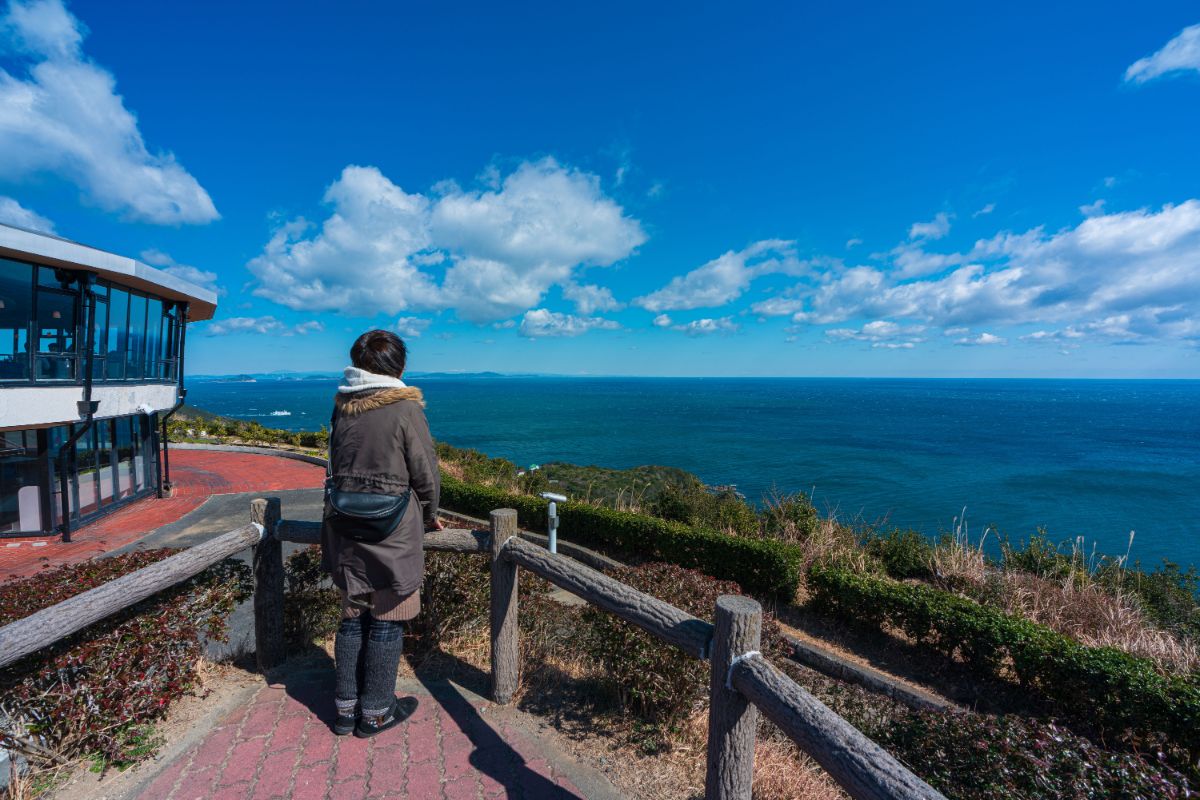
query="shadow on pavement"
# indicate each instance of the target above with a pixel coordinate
(492, 756)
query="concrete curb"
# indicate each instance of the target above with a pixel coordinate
(835, 666)
(262, 451)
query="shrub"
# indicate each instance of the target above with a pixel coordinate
(1168, 595)
(1112, 691)
(904, 554)
(978, 757)
(697, 505)
(93, 694)
(789, 517)
(1038, 556)
(312, 608)
(455, 597)
(654, 680)
(761, 567)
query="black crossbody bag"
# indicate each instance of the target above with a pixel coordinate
(361, 516)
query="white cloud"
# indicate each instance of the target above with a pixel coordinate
(1092, 209)
(989, 208)
(223, 327)
(880, 333)
(259, 325)
(704, 327)
(63, 116)
(981, 340)
(312, 326)
(853, 243)
(360, 261)
(936, 228)
(956, 331)
(1065, 335)
(590, 298)
(200, 277)
(662, 321)
(1181, 54)
(13, 213)
(411, 327)
(506, 244)
(724, 278)
(541, 322)
(1138, 269)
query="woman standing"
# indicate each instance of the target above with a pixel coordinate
(381, 497)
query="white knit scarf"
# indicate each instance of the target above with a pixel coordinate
(359, 380)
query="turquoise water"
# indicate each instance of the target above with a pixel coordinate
(1080, 458)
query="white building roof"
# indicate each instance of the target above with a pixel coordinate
(43, 248)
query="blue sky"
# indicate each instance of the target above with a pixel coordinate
(694, 189)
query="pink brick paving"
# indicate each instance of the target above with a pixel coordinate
(198, 474)
(456, 746)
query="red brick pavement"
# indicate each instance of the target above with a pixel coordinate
(280, 745)
(198, 474)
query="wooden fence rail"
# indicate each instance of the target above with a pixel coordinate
(742, 682)
(44, 628)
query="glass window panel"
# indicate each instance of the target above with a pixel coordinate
(141, 452)
(56, 345)
(54, 440)
(16, 310)
(20, 482)
(100, 339)
(104, 460)
(49, 277)
(135, 353)
(118, 314)
(125, 426)
(154, 312)
(85, 468)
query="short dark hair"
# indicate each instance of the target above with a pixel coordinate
(381, 352)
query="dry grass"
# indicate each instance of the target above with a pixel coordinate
(957, 561)
(1075, 606)
(630, 499)
(1095, 617)
(642, 764)
(783, 772)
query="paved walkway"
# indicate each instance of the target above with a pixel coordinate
(198, 475)
(457, 745)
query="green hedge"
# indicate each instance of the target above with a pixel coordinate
(1117, 692)
(760, 567)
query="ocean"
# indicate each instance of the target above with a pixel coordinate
(1090, 458)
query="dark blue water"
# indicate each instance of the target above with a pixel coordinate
(1079, 458)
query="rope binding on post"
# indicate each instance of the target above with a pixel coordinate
(737, 660)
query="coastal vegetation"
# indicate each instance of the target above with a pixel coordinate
(95, 696)
(1075, 659)
(1098, 646)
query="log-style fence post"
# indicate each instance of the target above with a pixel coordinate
(732, 719)
(505, 653)
(268, 585)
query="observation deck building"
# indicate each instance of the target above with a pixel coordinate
(91, 367)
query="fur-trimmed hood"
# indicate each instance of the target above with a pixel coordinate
(351, 404)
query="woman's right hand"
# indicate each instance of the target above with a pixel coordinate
(436, 525)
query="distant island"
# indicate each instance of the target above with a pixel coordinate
(257, 377)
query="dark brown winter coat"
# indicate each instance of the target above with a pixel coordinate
(380, 443)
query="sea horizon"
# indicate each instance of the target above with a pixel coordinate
(499, 374)
(1076, 457)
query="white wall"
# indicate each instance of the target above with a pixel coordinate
(38, 406)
